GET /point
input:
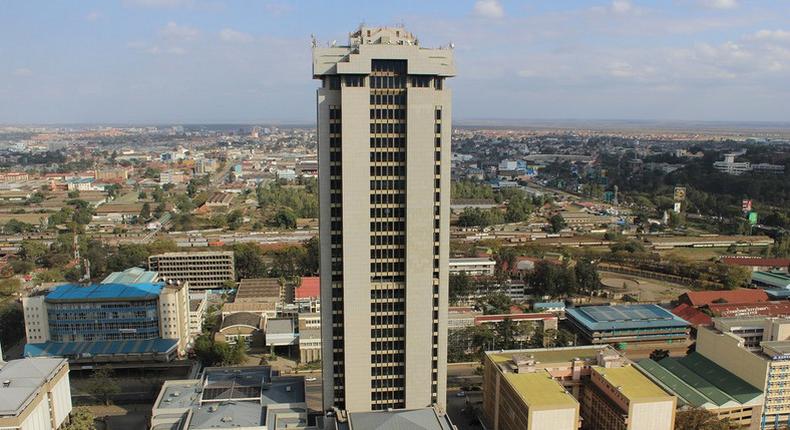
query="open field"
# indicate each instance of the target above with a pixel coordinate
(648, 290)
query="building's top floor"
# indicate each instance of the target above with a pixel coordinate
(429, 418)
(548, 356)
(631, 384)
(472, 261)
(22, 379)
(540, 391)
(624, 317)
(105, 292)
(381, 43)
(192, 255)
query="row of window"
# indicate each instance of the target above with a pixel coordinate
(389, 239)
(382, 254)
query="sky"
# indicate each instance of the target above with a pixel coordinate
(245, 61)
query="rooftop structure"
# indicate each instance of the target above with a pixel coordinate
(239, 397)
(414, 419)
(738, 295)
(309, 288)
(777, 280)
(635, 329)
(133, 275)
(472, 266)
(259, 290)
(35, 394)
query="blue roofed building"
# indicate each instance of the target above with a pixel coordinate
(636, 330)
(130, 316)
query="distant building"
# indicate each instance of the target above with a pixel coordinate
(635, 329)
(248, 398)
(242, 326)
(732, 167)
(198, 302)
(109, 322)
(172, 177)
(473, 266)
(35, 394)
(203, 270)
(557, 388)
(219, 199)
(758, 263)
(771, 280)
(309, 337)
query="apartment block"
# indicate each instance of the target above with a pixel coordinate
(561, 388)
(473, 266)
(384, 124)
(35, 394)
(756, 350)
(109, 322)
(203, 270)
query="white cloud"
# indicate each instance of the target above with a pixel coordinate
(622, 6)
(772, 35)
(93, 16)
(23, 71)
(489, 9)
(175, 31)
(720, 4)
(233, 36)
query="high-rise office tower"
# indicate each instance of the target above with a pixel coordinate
(384, 171)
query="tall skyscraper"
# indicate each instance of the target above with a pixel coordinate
(384, 171)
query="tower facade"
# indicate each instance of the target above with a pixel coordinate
(384, 179)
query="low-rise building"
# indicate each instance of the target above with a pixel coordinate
(636, 330)
(309, 337)
(472, 266)
(109, 321)
(35, 394)
(248, 398)
(558, 388)
(242, 326)
(198, 303)
(429, 418)
(203, 270)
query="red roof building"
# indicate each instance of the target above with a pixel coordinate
(309, 288)
(692, 315)
(739, 295)
(758, 263)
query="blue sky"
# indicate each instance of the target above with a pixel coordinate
(186, 61)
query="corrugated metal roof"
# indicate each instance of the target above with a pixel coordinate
(105, 291)
(134, 275)
(624, 317)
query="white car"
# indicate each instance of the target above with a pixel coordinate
(460, 394)
(310, 379)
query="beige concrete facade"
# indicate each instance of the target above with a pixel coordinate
(203, 270)
(384, 124)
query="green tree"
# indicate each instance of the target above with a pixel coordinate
(235, 219)
(518, 208)
(145, 211)
(249, 261)
(102, 385)
(552, 280)
(74, 194)
(310, 261)
(81, 419)
(10, 286)
(587, 278)
(701, 419)
(284, 218)
(32, 250)
(495, 304)
(36, 198)
(659, 354)
(460, 286)
(557, 223)
(509, 334)
(142, 195)
(14, 226)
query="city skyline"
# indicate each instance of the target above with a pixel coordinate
(192, 61)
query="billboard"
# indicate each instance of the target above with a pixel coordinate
(680, 194)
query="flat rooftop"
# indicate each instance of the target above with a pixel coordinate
(539, 390)
(243, 414)
(624, 317)
(259, 290)
(105, 291)
(415, 419)
(25, 377)
(632, 384)
(550, 355)
(180, 394)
